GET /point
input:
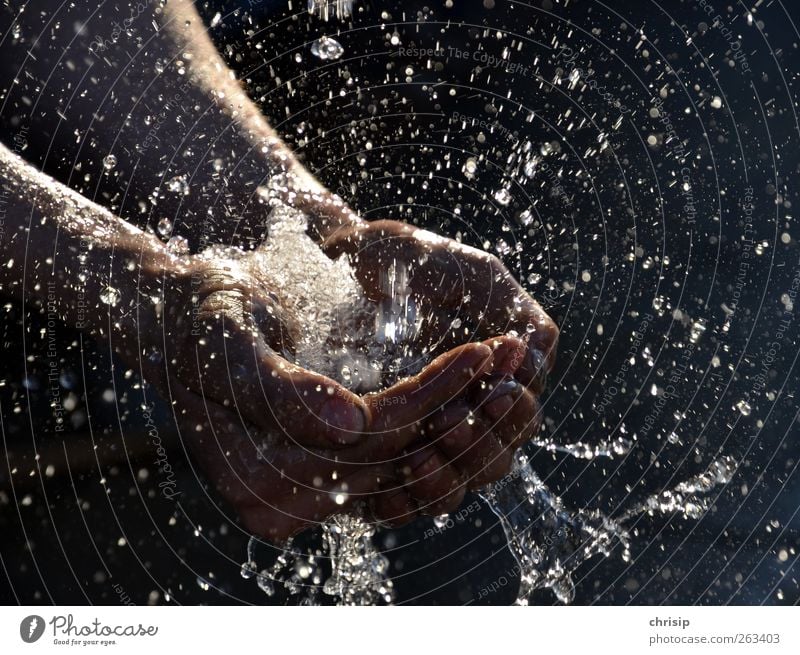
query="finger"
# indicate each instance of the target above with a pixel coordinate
(475, 451)
(509, 410)
(492, 460)
(537, 328)
(473, 439)
(432, 482)
(235, 367)
(521, 358)
(509, 307)
(397, 412)
(508, 354)
(533, 370)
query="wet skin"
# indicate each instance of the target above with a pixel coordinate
(288, 447)
(279, 442)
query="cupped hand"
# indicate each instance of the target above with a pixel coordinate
(461, 293)
(288, 447)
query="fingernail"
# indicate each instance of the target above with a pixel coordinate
(344, 422)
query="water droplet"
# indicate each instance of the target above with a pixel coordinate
(164, 227)
(248, 570)
(503, 196)
(441, 521)
(265, 583)
(178, 245)
(179, 184)
(327, 49)
(109, 162)
(470, 167)
(744, 407)
(110, 296)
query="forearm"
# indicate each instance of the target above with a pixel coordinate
(65, 253)
(144, 84)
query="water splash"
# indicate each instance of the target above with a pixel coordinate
(359, 571)
(548, 540)
(366, 347)
(581, 450)
(327, 9)
(688, 497)
(353, 569)
(342, 336)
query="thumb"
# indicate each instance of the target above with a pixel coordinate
(235, 367)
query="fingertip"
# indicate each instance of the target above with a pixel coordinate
(472, 358)
(508, 353)
(345, 420)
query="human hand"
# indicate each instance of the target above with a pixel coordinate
(288, 447)
(461, 294)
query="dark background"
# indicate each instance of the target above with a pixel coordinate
(622, 244)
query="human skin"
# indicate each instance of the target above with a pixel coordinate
(234, 397)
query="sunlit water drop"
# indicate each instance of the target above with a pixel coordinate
(327, 48)
(109, 162)
(110, 296)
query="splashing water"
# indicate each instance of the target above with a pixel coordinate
(344, 337)
(365, 347)
(359, 575)
(547, 540)
(327, 9)
(550, 541)
(687, 498)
